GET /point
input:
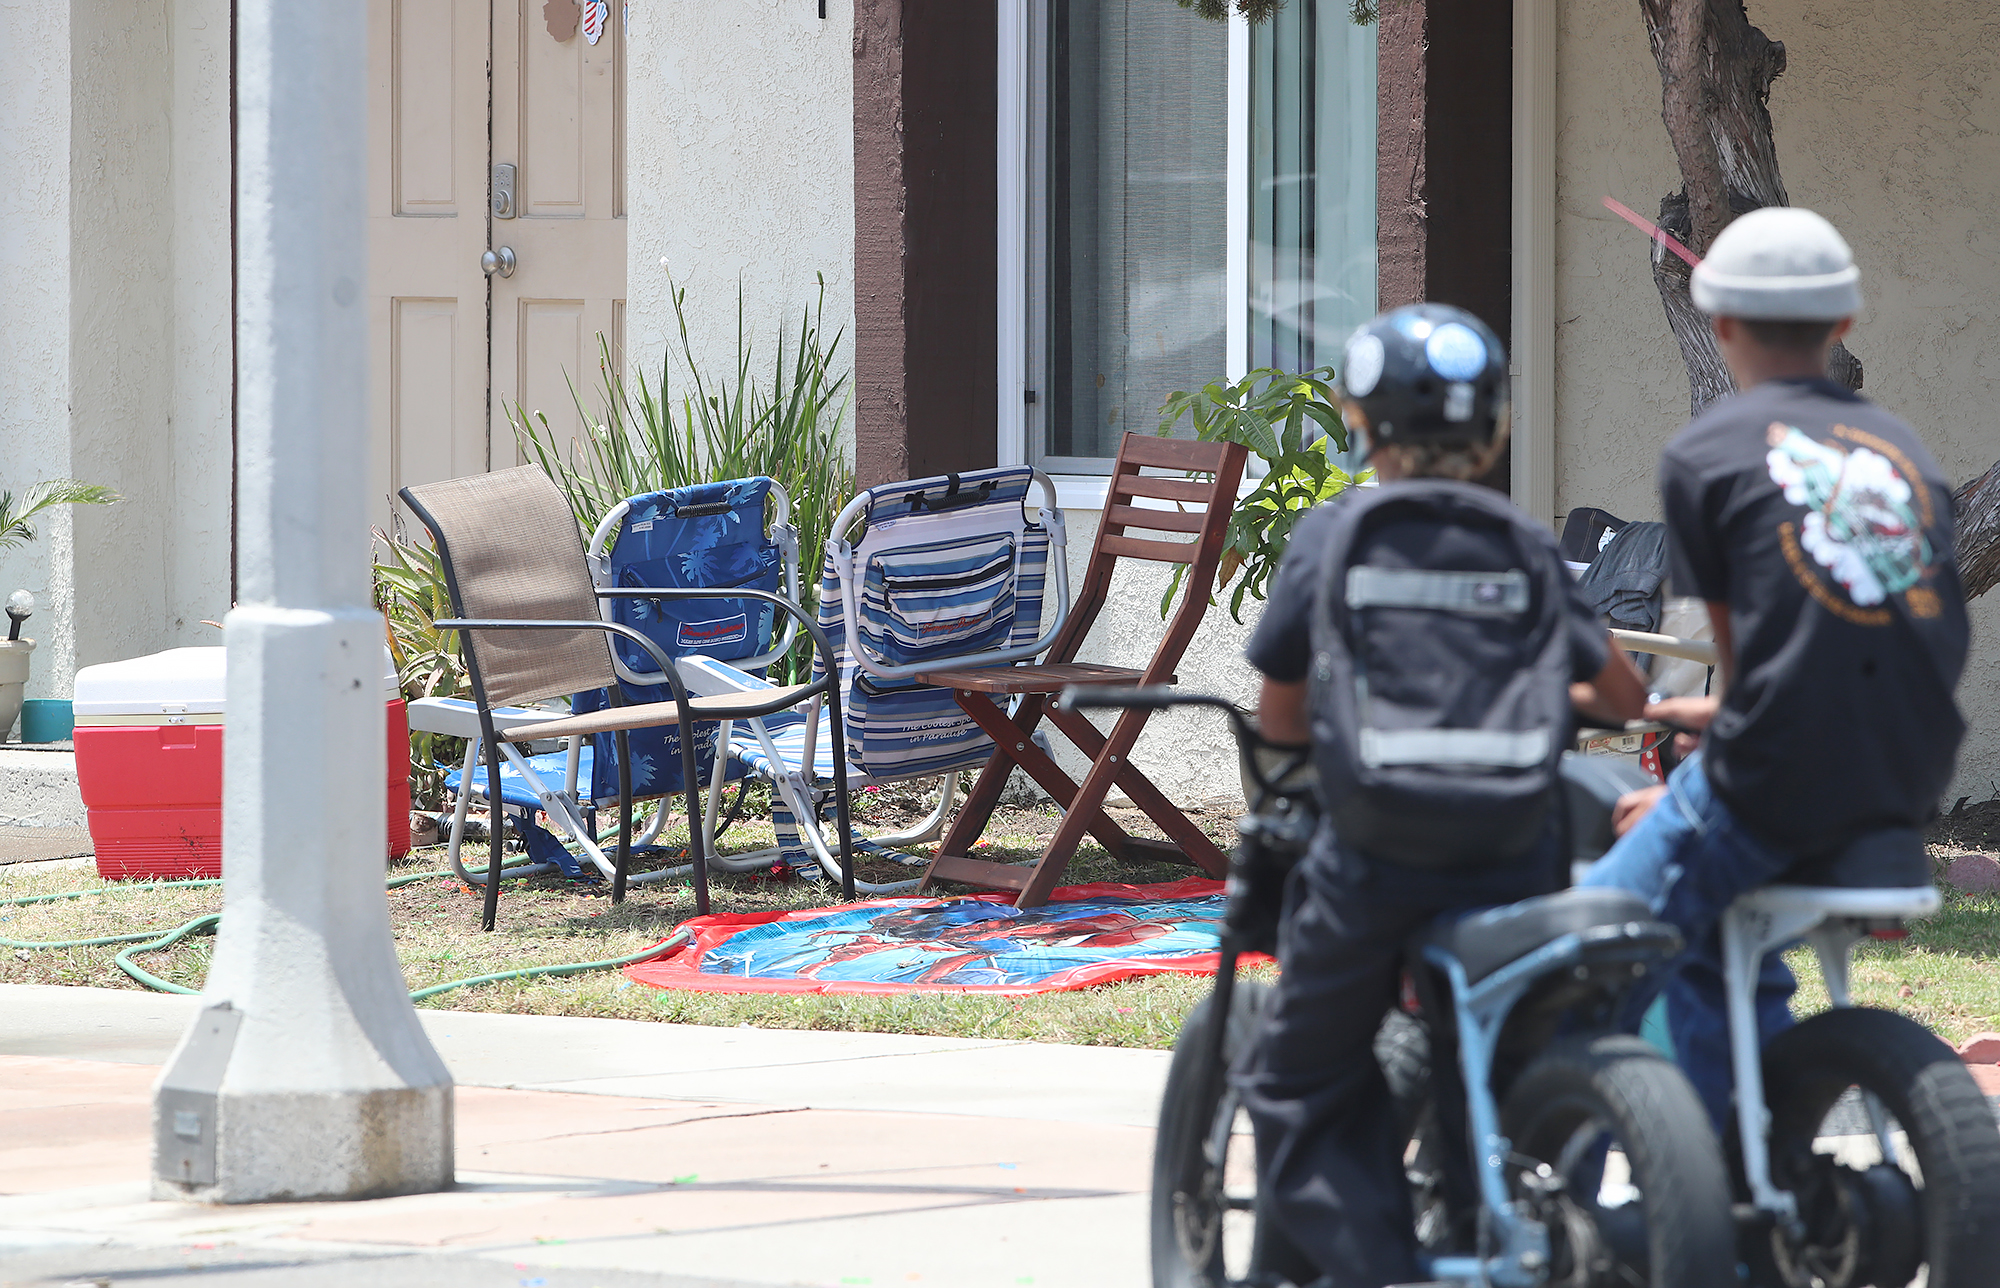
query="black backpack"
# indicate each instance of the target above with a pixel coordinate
(1440, 676)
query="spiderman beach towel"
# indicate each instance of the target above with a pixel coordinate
(1084, 935)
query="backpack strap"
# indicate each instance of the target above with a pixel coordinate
(1503, 594)
(1492, 748)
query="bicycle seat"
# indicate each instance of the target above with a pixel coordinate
(1886, 859)
(1486, 941)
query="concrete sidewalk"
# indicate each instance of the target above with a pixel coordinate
(611, 1153)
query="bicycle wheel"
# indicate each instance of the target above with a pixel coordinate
(1870, 1215)
(1204, 1219)
(1614, 1154)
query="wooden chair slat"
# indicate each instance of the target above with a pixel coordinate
(1133, 516)
(1162, 489)
(1171, 453)
(1030, 679)
(1142, 548)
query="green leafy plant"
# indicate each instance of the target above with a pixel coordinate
(785, 425)
(15, 526)
(1361, 12)
(410, 591)
(1290, 421)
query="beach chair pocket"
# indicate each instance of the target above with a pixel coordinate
(941, 600)
(910, 730)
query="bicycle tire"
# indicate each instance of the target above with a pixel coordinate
(1926, 1088)
(1571, 1096)
(1182, 1255)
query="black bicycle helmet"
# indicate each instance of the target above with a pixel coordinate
(1425, 373)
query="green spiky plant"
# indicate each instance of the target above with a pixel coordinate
(410, 592)
(16, 527)
(785, 425)
(1362, 12)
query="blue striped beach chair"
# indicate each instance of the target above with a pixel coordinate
(937, 572)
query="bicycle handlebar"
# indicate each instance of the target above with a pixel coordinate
(1158, 697)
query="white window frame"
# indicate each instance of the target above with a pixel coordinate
(1021, 31)
(1533, 361)
(1022, 148)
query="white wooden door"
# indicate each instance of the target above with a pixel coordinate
(558, 117)
(457, 87)
(427, 109)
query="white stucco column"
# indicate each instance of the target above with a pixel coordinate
(306, 1075)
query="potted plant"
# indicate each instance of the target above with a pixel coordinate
(1291, 423)
(16, 529)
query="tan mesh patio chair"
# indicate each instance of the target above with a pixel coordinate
(530, 628)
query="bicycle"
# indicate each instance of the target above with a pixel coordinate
(1591, 1164)
(1820, 1204)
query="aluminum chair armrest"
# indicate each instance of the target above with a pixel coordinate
(824, 684)
(666, 664)
(459, 717)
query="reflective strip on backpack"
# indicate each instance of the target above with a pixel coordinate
(1500, 749)
(1453, 592)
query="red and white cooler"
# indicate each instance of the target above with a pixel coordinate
(149, 763)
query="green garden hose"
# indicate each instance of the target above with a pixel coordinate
(661, 949)
(200, 925)
(101, 940)
(207, 923)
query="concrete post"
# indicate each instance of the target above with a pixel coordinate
(306, 1075)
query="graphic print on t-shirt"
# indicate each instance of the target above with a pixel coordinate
(1861, 523)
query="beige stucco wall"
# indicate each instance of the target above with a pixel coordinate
(1887, 124)
(740, 164)
(115, 364)
(34, 325)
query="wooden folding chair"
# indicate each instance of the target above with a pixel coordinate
(983, 691)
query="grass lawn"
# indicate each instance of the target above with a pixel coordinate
(546, 921)
(1945, 974)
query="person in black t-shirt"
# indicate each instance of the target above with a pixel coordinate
(1328, 1144)
(1819, 531)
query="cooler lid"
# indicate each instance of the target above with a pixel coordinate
(179, 681)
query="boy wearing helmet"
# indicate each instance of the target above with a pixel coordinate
(1425, 388)
(1819, 531)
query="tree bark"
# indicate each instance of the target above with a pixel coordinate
(1977, 506)
(1716, 72)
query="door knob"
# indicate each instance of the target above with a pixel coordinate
(499, 261)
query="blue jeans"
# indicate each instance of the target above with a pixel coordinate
(1690, 859)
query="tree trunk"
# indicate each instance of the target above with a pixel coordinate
(1716, 72)
(1715, 79)
(1978, 509)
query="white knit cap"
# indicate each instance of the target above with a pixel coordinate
(1779, 264)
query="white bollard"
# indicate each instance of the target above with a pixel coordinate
(306, 1074)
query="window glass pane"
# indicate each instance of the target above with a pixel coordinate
(1137, 214)
(1312, 183)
